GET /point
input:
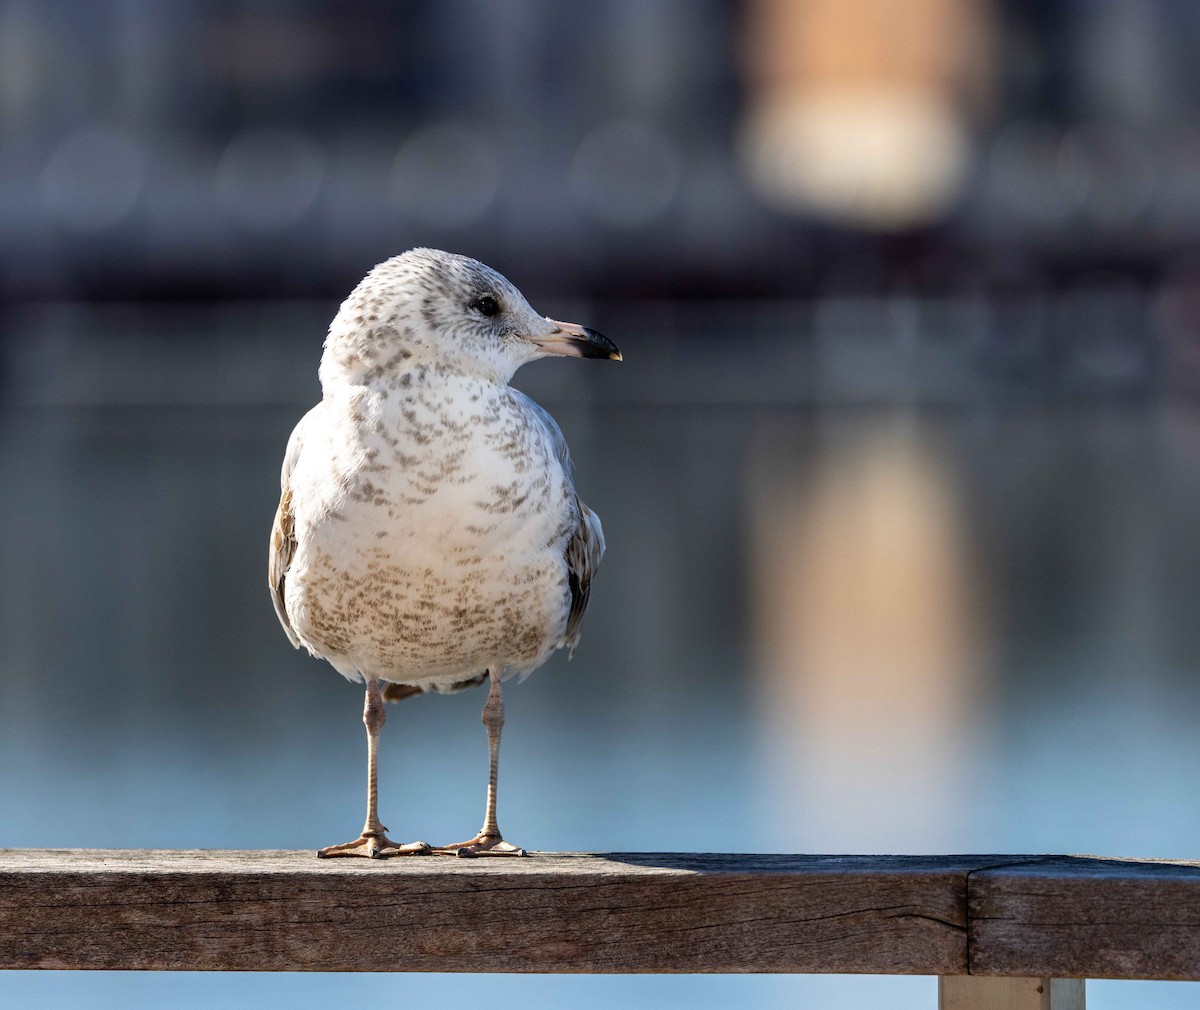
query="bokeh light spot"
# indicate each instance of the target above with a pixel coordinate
(93, 179)
(626, 173)
(269, 179)
(446, 175)
(872, 159)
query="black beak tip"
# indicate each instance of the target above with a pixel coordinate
(597, 345)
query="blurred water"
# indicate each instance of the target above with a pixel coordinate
(824, 624)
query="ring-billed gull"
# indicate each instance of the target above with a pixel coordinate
(429, 536)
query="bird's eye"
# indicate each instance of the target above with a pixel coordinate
(485, 305)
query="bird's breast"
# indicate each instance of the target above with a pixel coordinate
(431, 533)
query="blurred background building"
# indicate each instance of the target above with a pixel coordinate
(771, 147)
(900, 475)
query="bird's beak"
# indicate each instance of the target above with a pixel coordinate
(576, 341)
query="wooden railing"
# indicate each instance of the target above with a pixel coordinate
(1010, 932)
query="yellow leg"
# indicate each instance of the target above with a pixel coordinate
(489, 841)
(374, 842)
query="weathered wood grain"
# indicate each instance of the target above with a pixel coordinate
(1086, 918)
(287, 911)
(1049, 916)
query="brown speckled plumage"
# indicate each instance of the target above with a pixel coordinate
(429, 527)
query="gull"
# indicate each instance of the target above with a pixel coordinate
(429, 536)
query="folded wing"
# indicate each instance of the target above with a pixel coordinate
(585, 548)
(283, 533)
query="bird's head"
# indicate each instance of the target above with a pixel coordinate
(428, 307)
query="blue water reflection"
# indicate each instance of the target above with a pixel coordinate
(837, 627)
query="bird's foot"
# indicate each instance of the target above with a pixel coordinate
(483, 844)
(375, 845)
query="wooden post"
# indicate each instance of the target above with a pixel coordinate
(981, 992)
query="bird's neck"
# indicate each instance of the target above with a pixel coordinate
(391, 354)
(407, 378)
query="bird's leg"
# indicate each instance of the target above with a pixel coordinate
(373, 841)
(489, 841)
